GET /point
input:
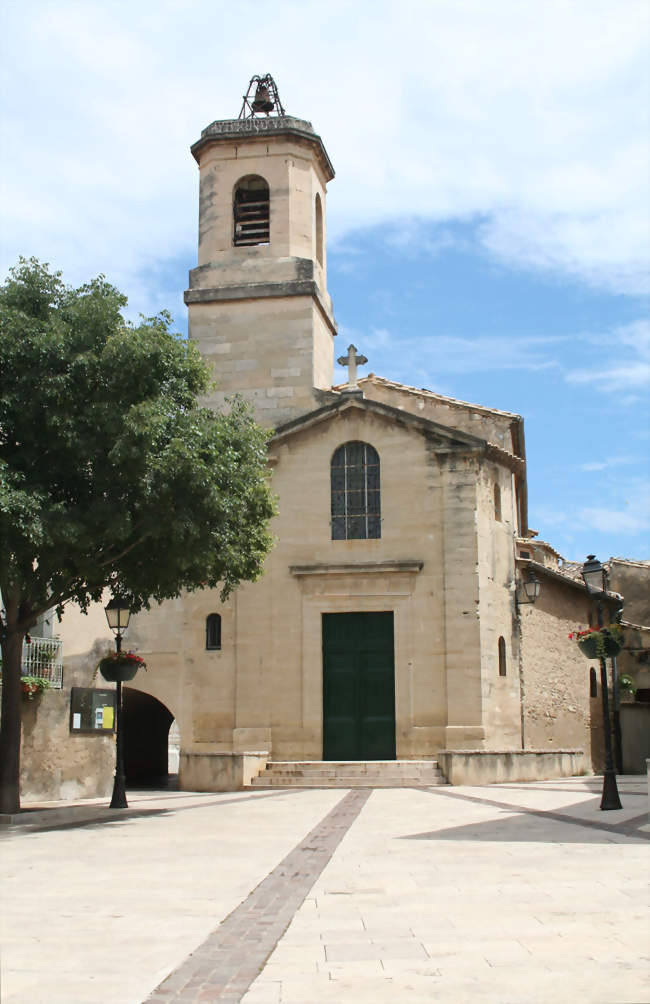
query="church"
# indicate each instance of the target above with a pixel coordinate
(407, 612)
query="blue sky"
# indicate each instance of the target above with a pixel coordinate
(488, 227)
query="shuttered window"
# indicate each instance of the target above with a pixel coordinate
(251, 212)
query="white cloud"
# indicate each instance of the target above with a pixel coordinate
(623, 511)
(625, 361)
(604, 465)
(447, 354)
(527, 116)
(613, 520)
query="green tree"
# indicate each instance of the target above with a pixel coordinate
(112, 475)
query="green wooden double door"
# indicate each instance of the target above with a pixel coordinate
(358, 687)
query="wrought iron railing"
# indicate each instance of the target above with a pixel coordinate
(44, 657)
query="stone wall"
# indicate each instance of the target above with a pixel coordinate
(477, 767)
(632, 580)
(557, 709)
(57, 764)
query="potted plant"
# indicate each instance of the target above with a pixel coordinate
(599, 643)
(626, 687)
(33, 686)
(120, 666)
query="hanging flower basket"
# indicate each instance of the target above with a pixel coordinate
(32, 686)
(599, 643)
(120, 666)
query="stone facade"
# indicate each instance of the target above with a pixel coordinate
(472, 670)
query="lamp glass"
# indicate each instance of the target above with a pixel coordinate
(593, 574)
(118, 615)
(532, 588)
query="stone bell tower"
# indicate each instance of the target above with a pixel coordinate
(258, 304)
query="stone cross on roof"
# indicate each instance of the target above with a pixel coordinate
(352, 360)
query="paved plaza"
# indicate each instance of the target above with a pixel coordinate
(506, 893)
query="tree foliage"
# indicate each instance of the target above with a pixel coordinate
(112, 474)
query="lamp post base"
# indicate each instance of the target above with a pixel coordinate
(118, 799)
(610, 798)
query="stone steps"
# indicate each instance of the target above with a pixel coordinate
(350, 774)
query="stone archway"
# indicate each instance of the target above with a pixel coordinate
(146, 723)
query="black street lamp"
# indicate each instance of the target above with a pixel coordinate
(118, 615)
(595, 576)
(595, 579)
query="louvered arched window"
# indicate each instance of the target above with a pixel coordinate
(356, 505)
(318, 211)
(251, 212)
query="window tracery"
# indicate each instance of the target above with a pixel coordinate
(355, 492)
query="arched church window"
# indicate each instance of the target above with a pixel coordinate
(502, 657)
(251, 212)
(497, 503)
(356, 507)
(213, 631)
(319, 229)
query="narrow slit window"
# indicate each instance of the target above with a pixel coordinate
(593, 683)
(251, 212)
(502, 657)
(497, 503)
(319, 229)
(355, 493)
(213, 631)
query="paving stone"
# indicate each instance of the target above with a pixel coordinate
(280, 894)
(513, 894)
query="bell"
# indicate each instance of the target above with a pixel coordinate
(262, 101)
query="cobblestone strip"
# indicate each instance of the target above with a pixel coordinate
(627, 828)
(231, 958)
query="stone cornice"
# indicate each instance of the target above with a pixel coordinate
(506, 459)
(447, 440)
(258, 128)
(389, 566)
(263, 290)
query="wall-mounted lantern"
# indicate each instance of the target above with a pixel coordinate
(528, 589)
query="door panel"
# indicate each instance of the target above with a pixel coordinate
(358, 687)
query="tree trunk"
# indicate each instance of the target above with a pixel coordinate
(12, 654)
